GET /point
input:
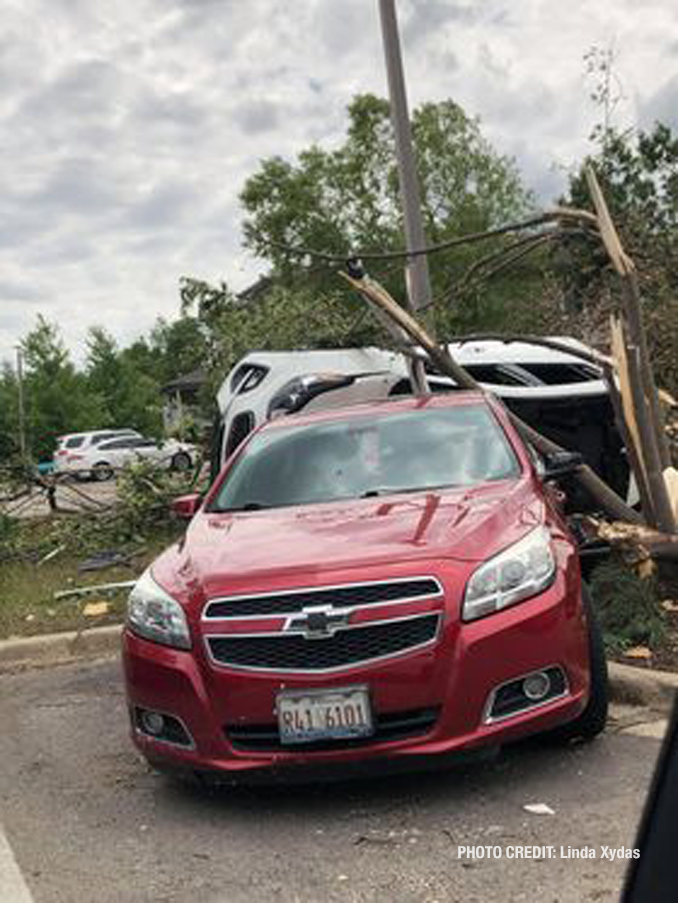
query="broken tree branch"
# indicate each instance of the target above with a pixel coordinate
(570, 215)
(502, 260)
(639, 542)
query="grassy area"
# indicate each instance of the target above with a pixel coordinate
(27, 603)
(41, 555)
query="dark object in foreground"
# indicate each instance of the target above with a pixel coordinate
(653, 876)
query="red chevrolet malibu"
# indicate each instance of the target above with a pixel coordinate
(392, 582)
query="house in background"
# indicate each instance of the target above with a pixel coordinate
(181, 402)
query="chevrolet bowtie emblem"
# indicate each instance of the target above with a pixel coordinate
(317, 622)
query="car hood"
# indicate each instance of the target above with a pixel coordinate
(233, 552)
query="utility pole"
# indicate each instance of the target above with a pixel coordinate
(416, 272)
(22, 413)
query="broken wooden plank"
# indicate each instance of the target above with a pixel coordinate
(647, 415)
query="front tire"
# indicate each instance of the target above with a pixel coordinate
(593, 719)
(181, 462)
(102, 472)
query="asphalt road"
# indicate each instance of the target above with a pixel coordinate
(87, 821)
(71, 496)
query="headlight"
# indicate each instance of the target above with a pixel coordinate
(521, 571)
(155, 615)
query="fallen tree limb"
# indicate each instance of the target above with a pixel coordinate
(571, 215)
(608, 500)
(637, 542)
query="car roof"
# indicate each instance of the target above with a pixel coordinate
(401, 403)
(122, 431)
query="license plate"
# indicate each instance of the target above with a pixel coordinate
(307, 715)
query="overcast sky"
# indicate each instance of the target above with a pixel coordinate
(128, 127)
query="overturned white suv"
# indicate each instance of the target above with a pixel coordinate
(561, 394)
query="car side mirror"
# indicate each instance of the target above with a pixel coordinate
(185, 506)
(561, 464)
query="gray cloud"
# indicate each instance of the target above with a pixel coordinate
(76, 185)
(22, 291)
(662, 106)
(426, 17)
(163, 207)
(255, 117)
(129, 128)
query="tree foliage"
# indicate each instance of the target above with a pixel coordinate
(638, 172)
(129, 396)
(56, 395)
(346, 199)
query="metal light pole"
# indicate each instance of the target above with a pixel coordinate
(22, 413)
(416, 273)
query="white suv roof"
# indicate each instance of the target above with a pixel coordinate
(87, 437)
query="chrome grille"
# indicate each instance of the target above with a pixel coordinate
(347, 595)
(345, 648)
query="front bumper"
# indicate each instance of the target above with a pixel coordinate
(454, 678)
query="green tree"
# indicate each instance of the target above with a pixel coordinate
(279, 319)
(129, 396)
(9, 414)
(179, 346)
(345, 199)
(57, 397)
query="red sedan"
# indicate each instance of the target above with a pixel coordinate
(392, 582)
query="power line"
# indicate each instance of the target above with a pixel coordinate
(582, 218)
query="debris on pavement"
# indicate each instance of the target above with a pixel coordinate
(95, 609)
(538, 809)
(106, 558)
(638, 652)
(95, 589)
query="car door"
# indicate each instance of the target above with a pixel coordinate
(114, 452)
(148, 449)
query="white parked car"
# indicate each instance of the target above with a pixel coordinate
(70, 447)
(102, 460)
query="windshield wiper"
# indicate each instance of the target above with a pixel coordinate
(394, 490)
(248, 506)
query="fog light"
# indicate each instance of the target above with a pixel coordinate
(536, 686)
(153, 723)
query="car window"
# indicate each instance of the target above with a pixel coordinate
(404, 386)
(559, 374)
(97, 438)
(242, 426)
(75, 442)
(495, 374)
(115, 444)
(411, 450)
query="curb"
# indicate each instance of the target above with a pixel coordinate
(642, 686)
(628, 685)
(44, 650)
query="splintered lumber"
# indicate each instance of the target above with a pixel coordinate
(652, 450)
(623, 397)
(376, 295)
(637, 542)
